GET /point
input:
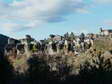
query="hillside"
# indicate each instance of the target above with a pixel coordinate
(95, 62)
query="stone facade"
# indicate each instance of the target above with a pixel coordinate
(107, 32)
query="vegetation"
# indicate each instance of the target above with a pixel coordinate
(91, 67)
(103, 44)
(6, 70)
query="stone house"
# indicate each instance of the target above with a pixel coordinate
(106, 32)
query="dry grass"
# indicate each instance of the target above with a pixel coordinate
(103, 44)
(100, 46)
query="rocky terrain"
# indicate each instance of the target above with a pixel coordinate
(94, 66)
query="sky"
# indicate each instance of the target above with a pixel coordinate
(40, 18)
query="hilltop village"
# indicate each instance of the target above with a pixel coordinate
(58, 56)
(55, 44)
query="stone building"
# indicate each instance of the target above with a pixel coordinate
(11, 41)
(106, 32)
(57, 38)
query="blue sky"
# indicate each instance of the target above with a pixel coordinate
(40, 18)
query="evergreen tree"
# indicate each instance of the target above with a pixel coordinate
(72, 36)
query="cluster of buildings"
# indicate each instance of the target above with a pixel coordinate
(103, 32)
